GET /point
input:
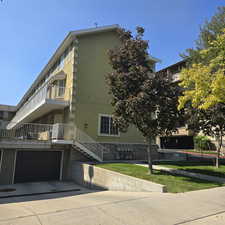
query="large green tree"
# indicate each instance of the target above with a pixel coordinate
(139, 96)
(203, 81)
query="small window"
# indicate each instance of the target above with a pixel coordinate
(61, 61)
(61, 88)
(5, 115)
(1, 114)
(106, 126)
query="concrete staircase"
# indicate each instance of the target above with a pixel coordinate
(88, 151)
(87, 146)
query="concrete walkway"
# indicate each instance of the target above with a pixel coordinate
(117, 208)
(186, 173)
(37, 188)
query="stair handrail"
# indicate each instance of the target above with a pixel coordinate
(92, 145)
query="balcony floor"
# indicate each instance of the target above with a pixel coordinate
(44, 107)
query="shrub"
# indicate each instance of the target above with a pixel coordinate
(203, 143)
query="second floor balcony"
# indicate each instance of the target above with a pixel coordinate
(47, 98)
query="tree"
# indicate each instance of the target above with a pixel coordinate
(140, 97)
(208, 33)
(204, 82)
(211, 122)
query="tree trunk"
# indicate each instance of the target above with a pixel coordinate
(220, 140)
(217, 159)
(149, 151)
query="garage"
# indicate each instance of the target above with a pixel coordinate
(177, 142)
(32, 166)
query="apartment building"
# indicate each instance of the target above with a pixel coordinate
(67, 109)
(7, 112)
(183, 139)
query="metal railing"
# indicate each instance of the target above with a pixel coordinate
(28, 131)
(36, 99)
(88, 142)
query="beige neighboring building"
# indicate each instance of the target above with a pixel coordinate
(7, 112)
(183, 139)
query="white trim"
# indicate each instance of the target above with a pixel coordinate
(1, 150)
(63, 142)
(14, 168)
(58, 76)
(95, 30)
(99, 126)
(61, 165)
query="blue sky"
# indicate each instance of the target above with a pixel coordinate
(31, 30)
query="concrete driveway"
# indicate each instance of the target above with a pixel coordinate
(116, 208)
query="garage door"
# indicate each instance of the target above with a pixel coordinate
(177, 142)
(37, 166)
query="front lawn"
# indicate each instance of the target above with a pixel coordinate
(174, 183)
(196, 167)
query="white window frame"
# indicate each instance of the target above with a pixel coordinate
(99, 126)
(62, 61)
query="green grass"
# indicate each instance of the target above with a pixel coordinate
(206, 168)
(174, 183)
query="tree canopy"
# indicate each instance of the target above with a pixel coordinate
(208, 33)
(141, 97)
(204, 82)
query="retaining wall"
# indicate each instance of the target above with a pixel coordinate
(101, 179)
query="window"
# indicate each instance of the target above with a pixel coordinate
(61, 87)
(57, 89)
(106, 126)
(5, 115)
(61, 62)
(1, 114)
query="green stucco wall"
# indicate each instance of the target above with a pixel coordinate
(92, 96)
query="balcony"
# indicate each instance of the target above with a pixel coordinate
(44, 100)
(33, 135)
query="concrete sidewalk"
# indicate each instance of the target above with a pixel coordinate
(117, 208)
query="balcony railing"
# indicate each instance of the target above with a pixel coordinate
(39, 132)
(28, 131)
(36, 100)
